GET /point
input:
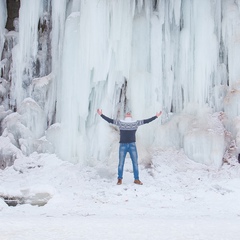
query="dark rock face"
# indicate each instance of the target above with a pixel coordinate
(13, 12)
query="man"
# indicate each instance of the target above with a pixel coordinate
(128, 129)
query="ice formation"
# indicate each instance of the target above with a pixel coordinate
(65, 59)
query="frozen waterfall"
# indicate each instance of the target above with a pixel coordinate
(65, 59)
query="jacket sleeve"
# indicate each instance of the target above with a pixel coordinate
(141, 122)
(149, 119)
(107, 118)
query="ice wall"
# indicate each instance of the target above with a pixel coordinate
(72, 57)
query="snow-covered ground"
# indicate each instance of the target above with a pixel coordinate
(179, 200)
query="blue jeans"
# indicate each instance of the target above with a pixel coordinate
(130, 148)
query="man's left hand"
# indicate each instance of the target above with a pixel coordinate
(158, 113)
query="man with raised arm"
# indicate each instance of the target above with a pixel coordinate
(128, 129)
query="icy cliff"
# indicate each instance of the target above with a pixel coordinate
(65, 59)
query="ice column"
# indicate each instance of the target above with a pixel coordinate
(58, 27)
(231, 44)
(198, 52)
(85, 61)
(69, 98)
(3, 19)
(231, 23)
(25, 52)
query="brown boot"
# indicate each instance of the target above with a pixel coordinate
(119, 182)
(136, 181)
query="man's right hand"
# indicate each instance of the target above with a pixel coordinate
(99, 111)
